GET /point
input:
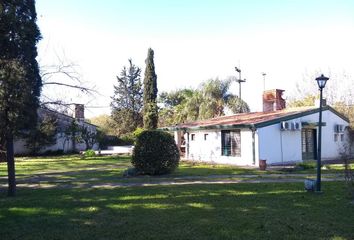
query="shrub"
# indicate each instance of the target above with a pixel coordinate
(137, 132)
(307, 165)
(90, 153)
(107, 140)
(155, 153)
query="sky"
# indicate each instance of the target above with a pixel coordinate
(196, 40)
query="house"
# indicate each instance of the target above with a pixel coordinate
(277, 135)
(63, 142)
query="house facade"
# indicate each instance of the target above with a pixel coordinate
(277, 135)
(63, 142)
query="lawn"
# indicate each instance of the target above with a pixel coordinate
(77, 169)
(210, 211)
(231, 211)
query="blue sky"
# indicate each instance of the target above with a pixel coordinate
(197, 40)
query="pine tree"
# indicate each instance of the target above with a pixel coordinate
(127, 102)
(150, 93)
(20, 82)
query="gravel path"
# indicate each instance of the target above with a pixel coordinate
(50, 182)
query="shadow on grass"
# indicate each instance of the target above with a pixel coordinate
(232, 211)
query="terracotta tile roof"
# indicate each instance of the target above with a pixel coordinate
(247, 119)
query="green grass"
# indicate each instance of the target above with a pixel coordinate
(106, 169)
(211, 211)
(77, 170)
(230, 211)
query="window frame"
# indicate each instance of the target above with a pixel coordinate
(231, 143)
(206, 135)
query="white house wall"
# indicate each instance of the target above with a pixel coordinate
(277, 146)
(210, 150)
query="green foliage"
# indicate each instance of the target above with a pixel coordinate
(150, 93)
(19, 73)
(72, 132)
(43, 135)
(20, 82)
(138, 131)
(237, 105)
(89, 136)
(107, 140)
(90, 153)
(216, 97)
(14, 92)
(127, 102)
(130, 138)
(306, 165)
(210, 100)
(105, 124)
(155, 153)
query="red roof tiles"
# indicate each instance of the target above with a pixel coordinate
(246, 118)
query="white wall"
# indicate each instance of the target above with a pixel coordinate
(210, 150)
(61, 144)
(285, 146)
(277, 146)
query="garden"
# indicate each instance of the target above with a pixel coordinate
(77, 197)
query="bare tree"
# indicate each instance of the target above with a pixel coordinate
(60, 77)
(339, 92)
(339, 88)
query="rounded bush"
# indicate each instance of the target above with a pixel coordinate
(155, 153)
(90, 153)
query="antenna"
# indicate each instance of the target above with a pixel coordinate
(239, 80)
(264, 76)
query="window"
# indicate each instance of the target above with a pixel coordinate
(231, 143)
(342, 137)
(192, 137)
(205, 136)
(335, 137)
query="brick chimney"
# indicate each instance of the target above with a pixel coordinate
(79, 111)
(272, 100)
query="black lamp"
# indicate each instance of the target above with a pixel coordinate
(321, 81)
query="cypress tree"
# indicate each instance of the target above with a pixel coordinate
(150, 93)
(20, 82)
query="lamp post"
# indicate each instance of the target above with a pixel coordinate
(321, 81)
(239, 80)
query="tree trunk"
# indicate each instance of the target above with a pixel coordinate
(10, 165)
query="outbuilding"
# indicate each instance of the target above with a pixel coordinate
(278, 135)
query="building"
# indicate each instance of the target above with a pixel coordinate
(277, 135)
(63, 142)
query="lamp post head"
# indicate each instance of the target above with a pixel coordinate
(321, 81)
(237, 69)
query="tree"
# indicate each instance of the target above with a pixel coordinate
(178, 106)
(88, 136)
(237, 105)
(339, 92)
(20, 81)
(211, 99)
(150, 93)
(105, 124)
(72, 133)
(308, 100)
(216, 97)
(127, 102)
(57, 78)
(44, 134)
